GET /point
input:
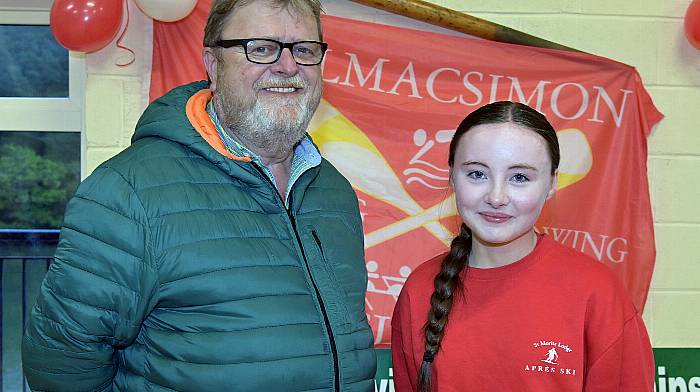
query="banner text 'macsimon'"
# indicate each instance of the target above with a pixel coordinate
(477, 88)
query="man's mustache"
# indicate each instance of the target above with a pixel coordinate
(280, 82)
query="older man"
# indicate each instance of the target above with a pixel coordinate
(219, 252)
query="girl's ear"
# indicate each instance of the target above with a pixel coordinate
(554, 186)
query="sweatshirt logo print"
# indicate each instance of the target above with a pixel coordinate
(548, 362)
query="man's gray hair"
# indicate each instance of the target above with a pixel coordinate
(221, 11)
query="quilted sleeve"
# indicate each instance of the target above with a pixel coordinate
(97, 292)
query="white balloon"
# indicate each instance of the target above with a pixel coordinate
(166, 10)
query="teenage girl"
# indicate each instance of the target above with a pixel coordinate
(508, 309)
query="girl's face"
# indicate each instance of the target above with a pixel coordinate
(501, 177)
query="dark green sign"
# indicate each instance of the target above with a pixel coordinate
(677, 369)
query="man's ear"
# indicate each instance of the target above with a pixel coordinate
(554, 186)
(210, 64)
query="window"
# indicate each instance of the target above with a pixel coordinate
(41, 119)
(32, 62)
(41, 144)
(39, 172)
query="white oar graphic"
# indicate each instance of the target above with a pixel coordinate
(576, 157)
(351, 151)
(444, 209)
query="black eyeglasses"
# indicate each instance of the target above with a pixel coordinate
(268, 51)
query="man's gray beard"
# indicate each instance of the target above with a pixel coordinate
(272, 128)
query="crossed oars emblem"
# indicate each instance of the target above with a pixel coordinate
(354, 155)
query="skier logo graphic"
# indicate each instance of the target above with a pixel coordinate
(552, 356)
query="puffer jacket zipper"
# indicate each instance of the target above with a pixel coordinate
(330, 333)
(326, 320)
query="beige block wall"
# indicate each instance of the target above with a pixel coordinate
(116, 95)
(647, 34)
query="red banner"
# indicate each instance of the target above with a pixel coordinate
(177, 51)
(392, 99)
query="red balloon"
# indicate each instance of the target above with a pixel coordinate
(692, 23)
(85, 25)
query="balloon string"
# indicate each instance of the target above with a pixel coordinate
(121, 36)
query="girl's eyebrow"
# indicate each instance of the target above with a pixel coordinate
(523, 166)
(467, 163)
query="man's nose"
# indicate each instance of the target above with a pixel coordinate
(285, 65)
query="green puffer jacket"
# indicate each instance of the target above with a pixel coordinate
(179, 269)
